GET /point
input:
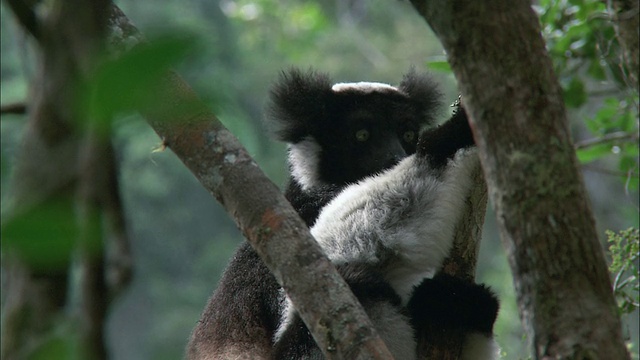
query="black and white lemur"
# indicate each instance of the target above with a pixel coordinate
(382, 198)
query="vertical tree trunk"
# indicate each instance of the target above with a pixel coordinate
(627, 21)
(519, 122)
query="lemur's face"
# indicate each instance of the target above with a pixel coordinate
(366, 133)
(339, 134)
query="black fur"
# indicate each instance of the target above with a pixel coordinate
(447, 302)
(308, 203)
(298, 104)
(243, 311)
(423, 92)
(442, 143)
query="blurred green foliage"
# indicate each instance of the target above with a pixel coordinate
(230, 51)
(58, 347)
(581, 40)
(49, 245)
(124, 84)
(442, 66)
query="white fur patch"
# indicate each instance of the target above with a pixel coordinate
(405, 217)
(365, 87)
(287, 315)
(304, 159)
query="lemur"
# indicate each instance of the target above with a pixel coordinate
(381, 195)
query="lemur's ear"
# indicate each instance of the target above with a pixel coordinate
(297, 102)
(423, 93)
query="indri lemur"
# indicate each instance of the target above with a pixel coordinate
(382, 199)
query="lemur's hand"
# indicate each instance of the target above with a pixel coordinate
(447, 302)
(440, 144)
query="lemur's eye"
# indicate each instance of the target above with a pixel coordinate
(362, 135)
(409, 136)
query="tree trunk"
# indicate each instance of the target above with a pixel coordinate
(627, 21)
(515, 103)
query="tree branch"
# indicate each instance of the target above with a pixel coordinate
(19, 108)
(618, 136)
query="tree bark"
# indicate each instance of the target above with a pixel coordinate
(518, 117)
(627, 21)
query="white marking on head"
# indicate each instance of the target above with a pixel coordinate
(365, 87)
(304, 159)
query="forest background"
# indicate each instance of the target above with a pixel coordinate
(182, 239)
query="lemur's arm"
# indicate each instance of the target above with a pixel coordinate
(441, 143)
(446, 304)
(308, 203)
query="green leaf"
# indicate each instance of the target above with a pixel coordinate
(602, 122)
(124, 84)
(626, 121)
(593, 153)
(54, 348)
(574, 93)
(596, 70)
(43, 237)
(441, 66)
(628, 163)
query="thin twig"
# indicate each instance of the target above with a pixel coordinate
(626, 174)
(19, 108)
(616, 136)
